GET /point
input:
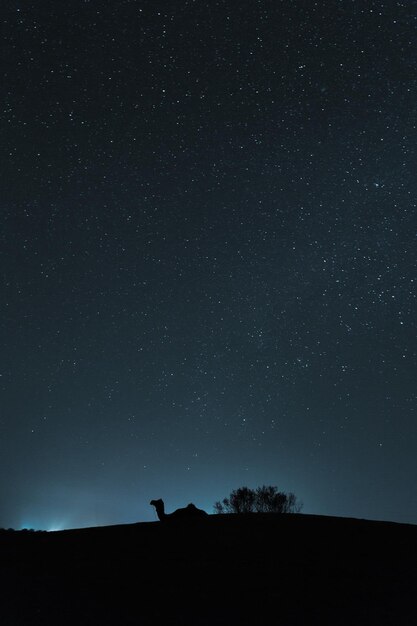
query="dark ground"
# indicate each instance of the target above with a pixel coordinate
(256, 569)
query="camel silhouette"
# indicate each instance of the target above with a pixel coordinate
(188, 512)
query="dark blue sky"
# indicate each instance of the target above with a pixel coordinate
(208, 257)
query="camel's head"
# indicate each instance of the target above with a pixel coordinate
(156, 502)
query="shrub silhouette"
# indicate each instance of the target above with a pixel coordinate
(265, 499)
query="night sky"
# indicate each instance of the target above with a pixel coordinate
(208, 256)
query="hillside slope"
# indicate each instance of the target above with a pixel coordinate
(290, 570)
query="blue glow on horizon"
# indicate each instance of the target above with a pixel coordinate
(49, 526)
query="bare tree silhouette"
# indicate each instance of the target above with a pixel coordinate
(265, 499)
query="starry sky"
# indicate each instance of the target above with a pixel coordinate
(208, 256)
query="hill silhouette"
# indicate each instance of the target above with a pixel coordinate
(222, 569)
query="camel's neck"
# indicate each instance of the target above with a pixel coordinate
(160, 511)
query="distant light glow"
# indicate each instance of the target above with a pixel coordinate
(48, 525)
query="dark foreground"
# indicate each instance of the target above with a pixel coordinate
(259, 569)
